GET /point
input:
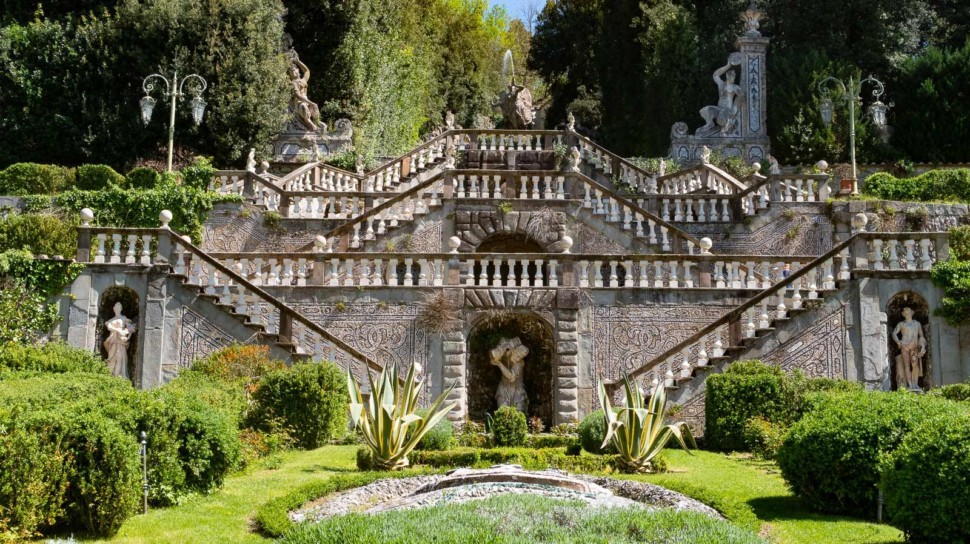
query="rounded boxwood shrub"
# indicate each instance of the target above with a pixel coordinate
(94, 177)
(958, 392)
(441, 437)
(27, 178)
(509, 427)
(54, 357)
(39, 234)
(926, 482)
(309, 399)
(831, 456)
(142, 177)
(592, 432)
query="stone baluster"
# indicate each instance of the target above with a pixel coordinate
(553, 275)
(910, 257)
(926, 260)
(877, 255)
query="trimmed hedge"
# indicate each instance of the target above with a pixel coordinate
(142, 177)
(531, 459)
(959, 392)
(927, 481)
(94, 177)
(508, 427)
(273, 519)
(942, 185)
(39, 234)
(54, 357)
(831, 456)
(28, 178)
(310, 399)
(441, 437)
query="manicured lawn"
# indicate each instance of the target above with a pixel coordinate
(224, 516)
(741, 483)
(749, 492)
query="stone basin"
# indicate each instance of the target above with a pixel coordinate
(512, 474)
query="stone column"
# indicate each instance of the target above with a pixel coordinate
(453, 371)
(567, 352)
(754, 129)
(151, 335)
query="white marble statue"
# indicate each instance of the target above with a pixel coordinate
(570, 121)
(449, 120)
(120, 330)
(251, 160)
(509, 357)
(908, 335)
(722, 118)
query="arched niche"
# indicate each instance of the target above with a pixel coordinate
(130, 306)
(894, 315)
(483, 378)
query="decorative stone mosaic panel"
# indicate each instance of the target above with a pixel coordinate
(819, 352)
(198, 338)
(808, 232)
(235, 232)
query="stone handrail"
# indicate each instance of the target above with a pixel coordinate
(162, 246)
(760, 311)
(784, 188)
(703, 177)
(402, 269)
(600, 157)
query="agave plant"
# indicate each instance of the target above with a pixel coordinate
(388, 420)
(637, 430)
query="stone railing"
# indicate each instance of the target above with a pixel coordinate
(782, 295)
(508, 140)
(787, 188)
(229, 289)
(397, 269)
(705, 178)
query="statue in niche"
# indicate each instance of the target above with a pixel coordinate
(120, 330)
(509, 357)
(908, 335)
(307, 112)
(722, 119)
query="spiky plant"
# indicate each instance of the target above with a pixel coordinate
(389, 421)
(638, 430)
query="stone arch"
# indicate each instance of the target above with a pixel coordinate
(545, 227)
(130, 307)
(894, 315)
(482, 378)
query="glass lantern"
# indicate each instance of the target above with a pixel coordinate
(147, 104)
(197, 105)
(827, 109)
(878, 112)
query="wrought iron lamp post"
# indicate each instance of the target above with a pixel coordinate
(852, 93)
(174, 90)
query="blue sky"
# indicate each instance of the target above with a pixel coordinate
(514, 7)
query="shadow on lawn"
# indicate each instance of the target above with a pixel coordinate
(783, 507)
(313, 469)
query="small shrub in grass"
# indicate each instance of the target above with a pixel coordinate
(310, 399)
(365, 459)
(27, 178)
(565, 429)
(592, 433)
(831, 456)
(508, 427)
(763, 437)
(142, 177)
(472, 434)
(959, 392)
(94, 177)
(536, 426)
(549, 441)
(440, 437)
(926, 481)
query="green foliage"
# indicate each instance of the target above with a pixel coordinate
(749, 389)
(40, 234)
(71, 97)
(365, 459)
(199, 173)
(389, 422)
(592, 433)
(54, 357)
(307, 398)
(959, 243)
(530, 458)
(142, 177)
(472, 434)
(550, 441)
(933, 119)
(273, 518)
(638, 430)
(345, 161)
(440, 437)
(935, 185)
(925, 481)
(953, 276)
(94, 177)
(763, 437)
(831, 457)
(959, 392)
(508, 427)
(27, 178)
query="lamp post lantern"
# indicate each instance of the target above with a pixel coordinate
(852, 92)
(174, 90)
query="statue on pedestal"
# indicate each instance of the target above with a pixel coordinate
(516, 100)
(120, 330)
(908, 335)
(307, 112)
(723, 118)
(509, 357)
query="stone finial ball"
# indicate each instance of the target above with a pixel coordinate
(418, 369)
(859, 221)
(567, 243)
(186, 238)
(87, 215)
(454, 243)
(756, 166)
(320, 241)
(165, 217)
(706, 245)
(822, 166)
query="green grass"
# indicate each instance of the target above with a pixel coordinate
(224, 516)
(750, 493)
(739, 487)
(521, 519)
